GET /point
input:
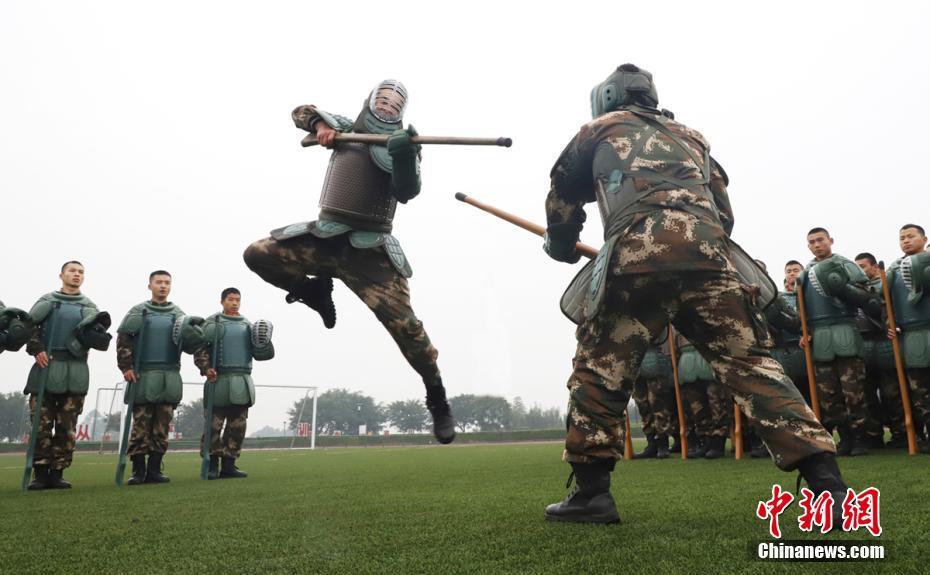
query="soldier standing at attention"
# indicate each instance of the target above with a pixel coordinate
(238, 342)
(152, 371)
(834, 290)
(351, 240)
(69, 325)
(667, 258)
(909, 283)
(883, 395)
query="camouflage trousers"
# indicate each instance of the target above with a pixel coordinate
(653, 398)
(367, 272)
(713, 312)
(707, 408)
(228, 442)
(149, 433)
(891, 411)
(56, 438)
(841, 393)
(918, 380)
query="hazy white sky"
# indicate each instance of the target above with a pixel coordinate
(138, 136)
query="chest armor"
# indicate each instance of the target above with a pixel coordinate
(158, 350)
(822, 308)
(59, 327)
(357, 189)
(906, 313)
(235, 347)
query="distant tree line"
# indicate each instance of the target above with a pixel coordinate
(344, 411)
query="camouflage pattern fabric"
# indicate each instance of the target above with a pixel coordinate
(841, 392)
(709, 309)
(640, 397)
(656, 395)
(367, 272)
(149, 432)
(228, 442)
(57, 434)
(707, 408)
(918, 380)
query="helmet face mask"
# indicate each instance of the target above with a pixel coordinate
(388, 101)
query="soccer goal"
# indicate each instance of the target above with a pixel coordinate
(284, 416)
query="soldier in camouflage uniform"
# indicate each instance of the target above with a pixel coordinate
(835, 289)
(653, 394)
(706, 402)
(352, 240)
(150, 340)
(69, 325)
(667, 258)
(883, 396)
(909, 284)
(237, 343)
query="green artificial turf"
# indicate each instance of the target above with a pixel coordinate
(455, 509)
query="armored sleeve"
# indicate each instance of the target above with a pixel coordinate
(35, 346)
(572, 180)
(306, 116)
(202, 358)
(124, 348)
(718, 187)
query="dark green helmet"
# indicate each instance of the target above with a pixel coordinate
(16, 328)
(628, 84)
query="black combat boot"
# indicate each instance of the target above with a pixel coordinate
(716, 447)
(56, 480)
(317, 293)
(700, 447)
(898, 440)
(860, 445)
(443, 422)
(230, 471)
(138, 470)
(39, 478)
(844, 447)
(590, 501)
(822, 474)
(759, 450)
(651, 448)
(662, 447)
(214, 471)
(153, 472)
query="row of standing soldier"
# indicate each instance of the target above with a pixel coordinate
(855, 372)
(64, 325)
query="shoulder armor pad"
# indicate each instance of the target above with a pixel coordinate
(41, 309)
(132, 323)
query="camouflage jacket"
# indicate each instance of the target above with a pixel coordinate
(675, 228)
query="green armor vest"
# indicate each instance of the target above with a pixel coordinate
(909, 314)
(692, 366)
(59, 315)
(158, 348)
(823, 309)
(234, 351)
(655, 365)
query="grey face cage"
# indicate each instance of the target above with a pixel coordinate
(388, 101)
(261, 332)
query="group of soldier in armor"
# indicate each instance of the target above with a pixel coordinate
(64, 325)
(667, 260)
(853, 361)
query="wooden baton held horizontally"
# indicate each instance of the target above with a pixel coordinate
(682, 432)
(899, 365)
(584, 249)
(381, 139)
(808, 359)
